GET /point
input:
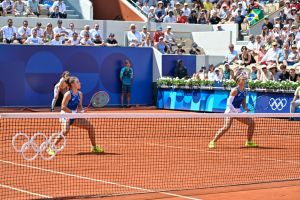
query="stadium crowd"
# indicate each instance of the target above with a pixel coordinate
(54, 8)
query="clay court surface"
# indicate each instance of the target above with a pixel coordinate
(147, 155)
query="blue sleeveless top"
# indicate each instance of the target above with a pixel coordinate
(253, 75)
(239, 98)
(226, 74)
(74, 101)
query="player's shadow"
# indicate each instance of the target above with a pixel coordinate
(98, 154)
(255, 148)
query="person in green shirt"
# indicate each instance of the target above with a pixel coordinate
(126, 77)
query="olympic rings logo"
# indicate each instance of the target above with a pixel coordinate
(31, 145)
(277, 104)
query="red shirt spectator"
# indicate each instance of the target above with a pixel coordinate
(158, 34)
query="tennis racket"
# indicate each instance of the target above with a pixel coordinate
(99, 100)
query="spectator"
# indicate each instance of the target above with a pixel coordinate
(214, 18)
(7, 7)
(261, 53)
(48, 33)
(297, 21)
(232, 56)
(284, 74)
(219, 28)
(170, 18)
(62, 31)
(134, 37)
(33, 8)
(211, 73)
(24, 32)
(178, 9)
(9, 32)
(282, 16)
(162, 46)
(146, 7)
(228, 73)
(180, 18)
(39, 30)
(56, 14)
(267, 23)
(287, 7)
(293, 76)
(179, 50)
(246, 57)
(86, 41)
(147, 42)
(111, 41)
(218, 75)
(151, 14)
(158, 33)
(86, 29)
(242, 8)
(19, 8)
(265, 75)
(62, 8)
(74, 41)
(239, 19)
(201, 75)
(169, 37)
(145, 33)
(186, 11)
(223, 14)
(126, 77)
(254, 74)
(34, 39)
(56, 41)
(193, 17)
(202, 19)
(98, 40)
(293, 56)
(251, 43)
(194, 50)
(272, 54)
(71, 30)
(274, 71)
(208, 5)
(180, 70)
(245, 27)
(159, 12)
(96, 30)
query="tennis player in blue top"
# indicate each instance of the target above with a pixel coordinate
(72, 103)
(236, 99)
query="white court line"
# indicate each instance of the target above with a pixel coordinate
(24, 191)
(101, 181)
(211, 151)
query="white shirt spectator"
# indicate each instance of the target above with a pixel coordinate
(8, 32)
(58, 30)
(271, 55)
(83, 32)
(186, 12)
(218, 77)
(169, 37)
(34, 40)
(86, 42)
(231, 56)
(168, 19)
(251, 45)
(74, 42)
(70, 31)
(146, 9)
(40, 32)
(211, 75)
(135, 37)
(94, 32)
(24, 31)
(55, 42)
(61, 6)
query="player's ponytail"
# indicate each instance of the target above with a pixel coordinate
(65, 74)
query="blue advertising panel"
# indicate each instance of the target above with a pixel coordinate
(169, 63)
(215, 100)
(28, 73)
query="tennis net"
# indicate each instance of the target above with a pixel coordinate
(143, 153)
